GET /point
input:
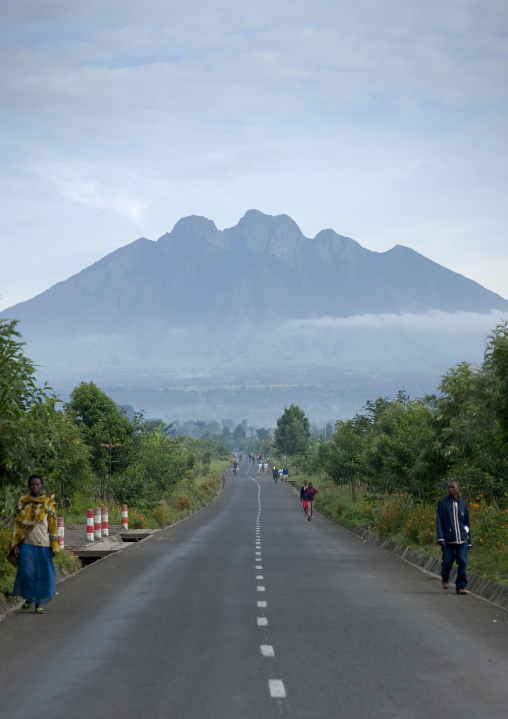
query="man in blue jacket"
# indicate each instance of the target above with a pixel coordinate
(454, 536)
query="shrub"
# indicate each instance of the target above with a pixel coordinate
(390, 518)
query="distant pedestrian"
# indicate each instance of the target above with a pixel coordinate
(34, 542)
(265, 467)
(281, 474)
(285, 473)
(454, 536)
(310, 494)
(275, 473)
(260, 465)
(303, 498)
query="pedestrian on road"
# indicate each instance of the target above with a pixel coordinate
(454, 536)
(303, 498)
(34, 543)
(285, 473)
(310, 493)
(259, 467)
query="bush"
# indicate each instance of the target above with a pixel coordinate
(420, 525)
(390, 518)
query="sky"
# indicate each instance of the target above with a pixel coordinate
(385, 121)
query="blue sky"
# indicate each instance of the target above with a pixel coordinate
(386, 121)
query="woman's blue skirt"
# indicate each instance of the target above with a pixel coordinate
(36, 577)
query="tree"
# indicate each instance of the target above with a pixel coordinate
(239, 433)
(160, 462)
(496, 368)
(343, 455)
(102, 424)
(34, 435)
(291, 437)
(263, 433)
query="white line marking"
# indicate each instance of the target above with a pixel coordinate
(261, 589)
(262, 622)
(259, 566)
(277, 689)
(259, 576)
(261, 604)
(258, 554)
(267, 650)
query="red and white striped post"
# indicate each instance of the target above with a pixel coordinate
(89, 525)
(105, 521)
(125, 517)
(61, 533)
(97, 523)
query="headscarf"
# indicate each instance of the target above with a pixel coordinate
(29, 512)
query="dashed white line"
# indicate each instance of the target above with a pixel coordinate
(261, 589)
(259, 576)
(262, 622)
(267, 650)
(261, 604)
(277, 688)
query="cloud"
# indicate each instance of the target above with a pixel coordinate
(434, 321)
(70, 182)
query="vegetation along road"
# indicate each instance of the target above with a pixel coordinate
(248, 610)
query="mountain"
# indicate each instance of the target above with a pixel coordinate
(245, 302)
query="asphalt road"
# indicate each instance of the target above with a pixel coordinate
(246, 610)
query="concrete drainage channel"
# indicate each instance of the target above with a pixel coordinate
(89, 552)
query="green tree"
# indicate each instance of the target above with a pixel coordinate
(160, 462)
(34, 435)
(102, 424)
(292, 434)
(343, 455)
(495, 367)
(239, 433)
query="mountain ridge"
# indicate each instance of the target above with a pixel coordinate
(218, 302)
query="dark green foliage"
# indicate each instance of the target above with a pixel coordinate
(291, 437)
(107, 431)
(35, 436)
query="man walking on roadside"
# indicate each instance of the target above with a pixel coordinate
(454, 536)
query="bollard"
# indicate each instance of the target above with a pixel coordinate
(61, 533)
(125, 517)
(97, 523)
(105, 521)
(89, 525)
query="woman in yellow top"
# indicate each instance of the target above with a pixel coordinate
(34, 542)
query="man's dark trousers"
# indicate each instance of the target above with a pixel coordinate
(455, 553)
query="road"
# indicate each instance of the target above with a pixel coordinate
(246, 610)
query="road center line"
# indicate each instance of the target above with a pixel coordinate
(277, 688)
(267, 650)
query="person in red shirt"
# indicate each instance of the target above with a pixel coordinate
(310, 493)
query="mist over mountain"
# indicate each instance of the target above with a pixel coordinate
(202, 322)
